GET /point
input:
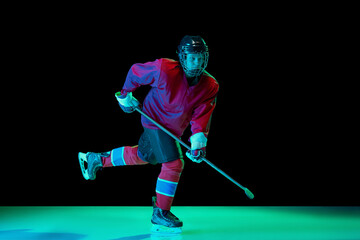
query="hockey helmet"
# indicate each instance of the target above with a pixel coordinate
(195, 47)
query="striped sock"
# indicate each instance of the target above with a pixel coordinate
(167, 183)
(123, 156)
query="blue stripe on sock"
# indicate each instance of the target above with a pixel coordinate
(117, 157)
(165, 187)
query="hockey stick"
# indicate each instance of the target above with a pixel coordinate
(248, 193)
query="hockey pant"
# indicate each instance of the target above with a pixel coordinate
(168, 178)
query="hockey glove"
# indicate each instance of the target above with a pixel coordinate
(198, 147)
(196, 155)
(127, 102)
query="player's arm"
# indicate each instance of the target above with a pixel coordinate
(200, 126)
(139, 74)
(142, 74)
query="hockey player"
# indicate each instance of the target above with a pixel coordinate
(181, 93)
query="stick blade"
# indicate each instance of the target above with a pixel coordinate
(249, 194)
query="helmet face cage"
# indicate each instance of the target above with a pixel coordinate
(193, 45)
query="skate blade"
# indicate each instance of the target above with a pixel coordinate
(159, 229)
(82, 160)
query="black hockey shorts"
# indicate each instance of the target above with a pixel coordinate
(155, 146)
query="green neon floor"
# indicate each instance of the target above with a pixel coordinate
(133, 223)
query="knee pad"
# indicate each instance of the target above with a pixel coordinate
(175, 166)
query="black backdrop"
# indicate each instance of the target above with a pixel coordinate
(277, 127)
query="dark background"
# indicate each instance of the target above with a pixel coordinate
(282, 126)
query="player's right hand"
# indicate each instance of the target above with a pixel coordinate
(127, 102)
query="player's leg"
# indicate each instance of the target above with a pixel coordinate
(167, 183)
(163, 220)
(91, 162)
(166, 151)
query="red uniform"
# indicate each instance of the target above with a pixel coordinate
(174, 104)
(181, 93)
(171, 101)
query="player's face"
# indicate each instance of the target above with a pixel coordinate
(194, 63)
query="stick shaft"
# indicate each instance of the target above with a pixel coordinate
(224, 174)
(187, 147)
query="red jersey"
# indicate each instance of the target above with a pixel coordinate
(171, 101)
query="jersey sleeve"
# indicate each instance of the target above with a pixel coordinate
(201, 117)
(142, 74)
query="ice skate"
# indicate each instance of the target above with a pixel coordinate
(90, 163)
(164, 222)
